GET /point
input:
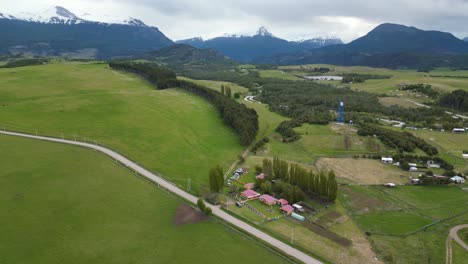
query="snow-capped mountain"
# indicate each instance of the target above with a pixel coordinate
(60, 32)
(249, 47)
(61, 15)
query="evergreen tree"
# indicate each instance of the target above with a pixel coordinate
(223, 89)
(228, 91)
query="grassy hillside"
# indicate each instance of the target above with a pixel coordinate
(65, 204)
(171, 132)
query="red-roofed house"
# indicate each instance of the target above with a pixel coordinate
(288, 209)
(249, 186)
(283, 202)
(250, 194)
(260, 177)
(268, 200)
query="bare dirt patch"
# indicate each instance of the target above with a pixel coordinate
(187, 215)
(327, 234)
(363, 171)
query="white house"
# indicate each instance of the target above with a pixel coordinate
(412, 164)
(458, 130)
(432, 165)
(387, 160)
(390, 185)
(458, 179)
(465, 155)
(413, 169)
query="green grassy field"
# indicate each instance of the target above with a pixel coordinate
(390, 213)
(171, 132)
(64, 204)
(459, 254)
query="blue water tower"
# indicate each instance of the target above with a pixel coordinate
(341, 113)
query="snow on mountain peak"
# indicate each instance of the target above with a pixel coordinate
(61, 15)
(263, 31)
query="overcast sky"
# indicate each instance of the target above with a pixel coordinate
(289, 19)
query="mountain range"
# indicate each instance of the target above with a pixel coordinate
(59, 32)
(248, 48)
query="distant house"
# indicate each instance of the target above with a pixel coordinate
(465, 155)
(412, 164)
(432, 165)
(260, 177)
(287, 209)
(283, 202)
(268, 200)
(235, 176)
(415, 181)
(387, 160)
(298, 208)
(413, 169)
(458, 179)
(390, 185)
(240, 171)
(250, 194)
(249, 186)
(458, 130)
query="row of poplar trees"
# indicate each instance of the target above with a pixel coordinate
(323, 183)
(226, 90)
(216, 179)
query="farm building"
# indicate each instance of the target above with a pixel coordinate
(415, 181)
(465, 155)
(249, 186)
(413, 165)
(260, 177)
(413, 169)
(283, 202)
(240, 171)
(323, 78)
(288, 209)
(250, 194)
(458, 179)
(432, 165)
(387, 160)
(390, 185)
(298, 208)
(268, 200)
(458, 130)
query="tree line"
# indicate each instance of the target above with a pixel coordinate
(242, 119)
(422, 88)
(286, 128)
(457, 100)
(403, 141)
(295, 176)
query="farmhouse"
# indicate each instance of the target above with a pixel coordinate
(458, 179)
(283, 202)
(250, 194)
(387, 160)
(268, 200)
(287, 209)
(413, 169)
(390, 185)
(432, 165)
(260, 177)
(323, 78)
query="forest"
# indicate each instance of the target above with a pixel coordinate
(242, 119)
(457, 100)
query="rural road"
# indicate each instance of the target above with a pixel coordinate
(174, 189)
(453, 234)
(447, 112)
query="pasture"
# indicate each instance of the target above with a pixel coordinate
(172, 132)
(65, 204)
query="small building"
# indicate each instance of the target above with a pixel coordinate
(413, 165)
(415, 181)
(268, 200)
(458, 179)
(249, 186)
(432, 165)
(240, 171)
(235, 176)
(298, 208)
(250, 194)
(260, 177)
(458, 130)
(413, 169)
(390, 185)
(298, 217)
(465, 155)
(283, 202)
(387, 160)
(287, 209)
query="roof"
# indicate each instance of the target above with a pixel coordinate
(267, 198)
(250, 193)
(387, 158)
(287, 208)
(260, 176)
(283, 201)
(457, 178)
(249, 185)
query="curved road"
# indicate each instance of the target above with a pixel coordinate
(454, 235)
(174, 189)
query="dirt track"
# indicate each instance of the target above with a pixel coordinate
(453, 235)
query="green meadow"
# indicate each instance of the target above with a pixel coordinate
(66, 204)
(172, 132)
